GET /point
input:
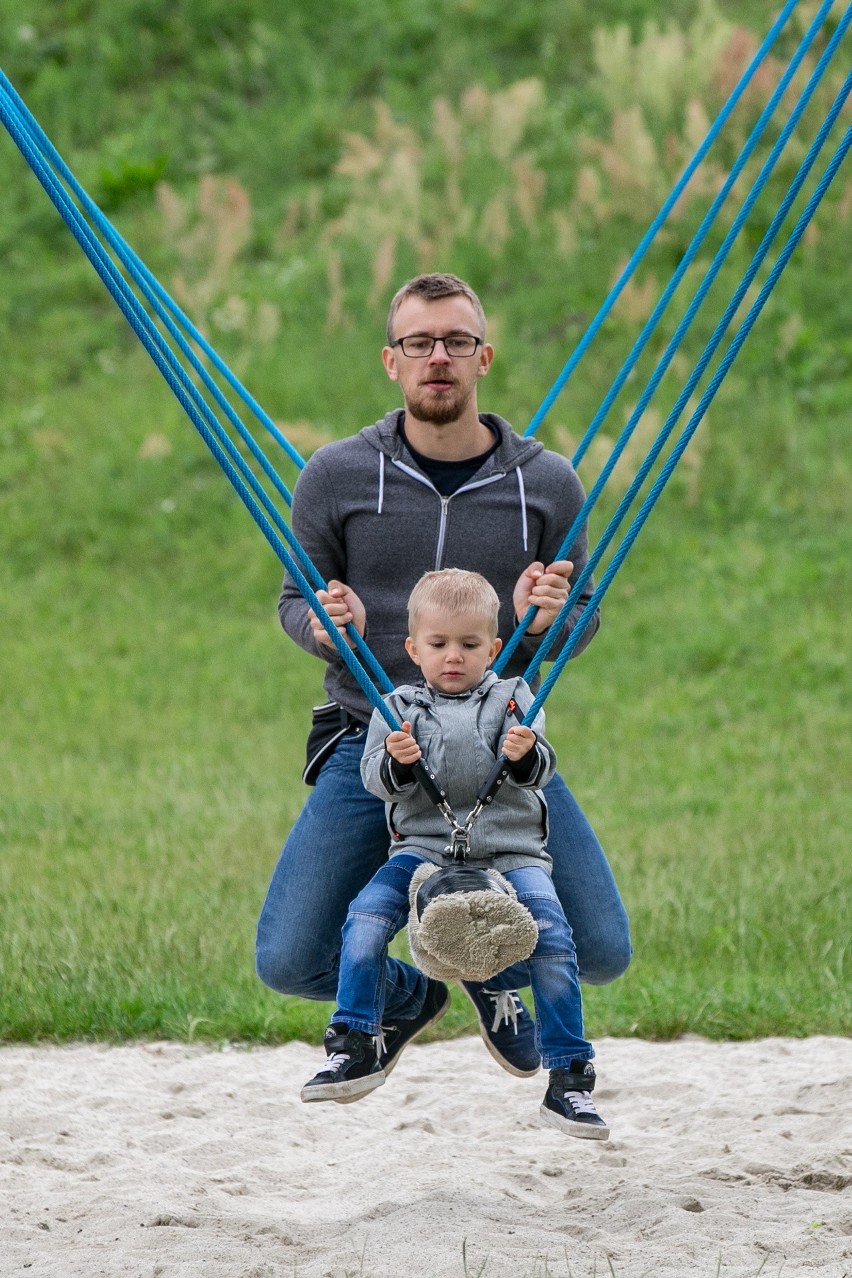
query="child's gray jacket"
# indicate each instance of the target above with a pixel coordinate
(460, 737)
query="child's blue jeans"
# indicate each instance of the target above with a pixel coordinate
(341, 838)
(381, 909)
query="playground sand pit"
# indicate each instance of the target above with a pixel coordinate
(162, 1159)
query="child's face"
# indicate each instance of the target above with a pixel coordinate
(452, 649)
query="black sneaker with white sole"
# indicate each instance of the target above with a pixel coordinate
(506, 1028)
(396, 1035)
(351, 1070)
(568, 1102)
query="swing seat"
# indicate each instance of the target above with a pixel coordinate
(466, 923)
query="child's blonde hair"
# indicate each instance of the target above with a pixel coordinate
(455, 591)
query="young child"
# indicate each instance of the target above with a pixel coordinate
(461, 721)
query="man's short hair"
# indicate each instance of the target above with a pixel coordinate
(431, 288)
(455, 591)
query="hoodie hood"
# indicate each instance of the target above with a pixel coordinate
(510, 455)
(513, 450)
(420, 694)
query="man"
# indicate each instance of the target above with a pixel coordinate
(434, 485)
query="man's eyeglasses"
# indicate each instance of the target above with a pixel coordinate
(457, 345)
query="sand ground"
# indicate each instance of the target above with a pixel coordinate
(162, 1160)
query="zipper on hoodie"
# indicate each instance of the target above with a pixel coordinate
(445, 510)
(445, 501)
(442, 530)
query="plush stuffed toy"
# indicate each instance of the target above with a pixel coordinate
(466, 922)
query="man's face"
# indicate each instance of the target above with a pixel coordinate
(439, 388)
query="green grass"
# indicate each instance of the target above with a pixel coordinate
(154, 720)
(153, 715)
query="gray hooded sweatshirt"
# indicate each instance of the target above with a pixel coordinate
(367, 515)
(460, 737)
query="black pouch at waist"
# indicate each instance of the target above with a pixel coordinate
(330, 722)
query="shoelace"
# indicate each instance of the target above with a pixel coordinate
(505, 1008)
(581, 1102)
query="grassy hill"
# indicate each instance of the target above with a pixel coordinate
(282, 180)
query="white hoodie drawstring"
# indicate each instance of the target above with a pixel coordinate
(381, 483)
(523, 497)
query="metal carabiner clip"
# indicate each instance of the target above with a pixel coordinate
(460, 844)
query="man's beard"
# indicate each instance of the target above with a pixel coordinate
(438, 409)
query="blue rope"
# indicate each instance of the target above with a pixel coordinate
(650, 234)
(731, 354)
(141, 274)
(187, 395)
(695, 376)
(214, 424)
(183, 345)
(704, 403)
(673, 345)
(702, 232)
(24, 131)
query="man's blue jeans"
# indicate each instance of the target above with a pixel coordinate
(381, 909)
(339, 841)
